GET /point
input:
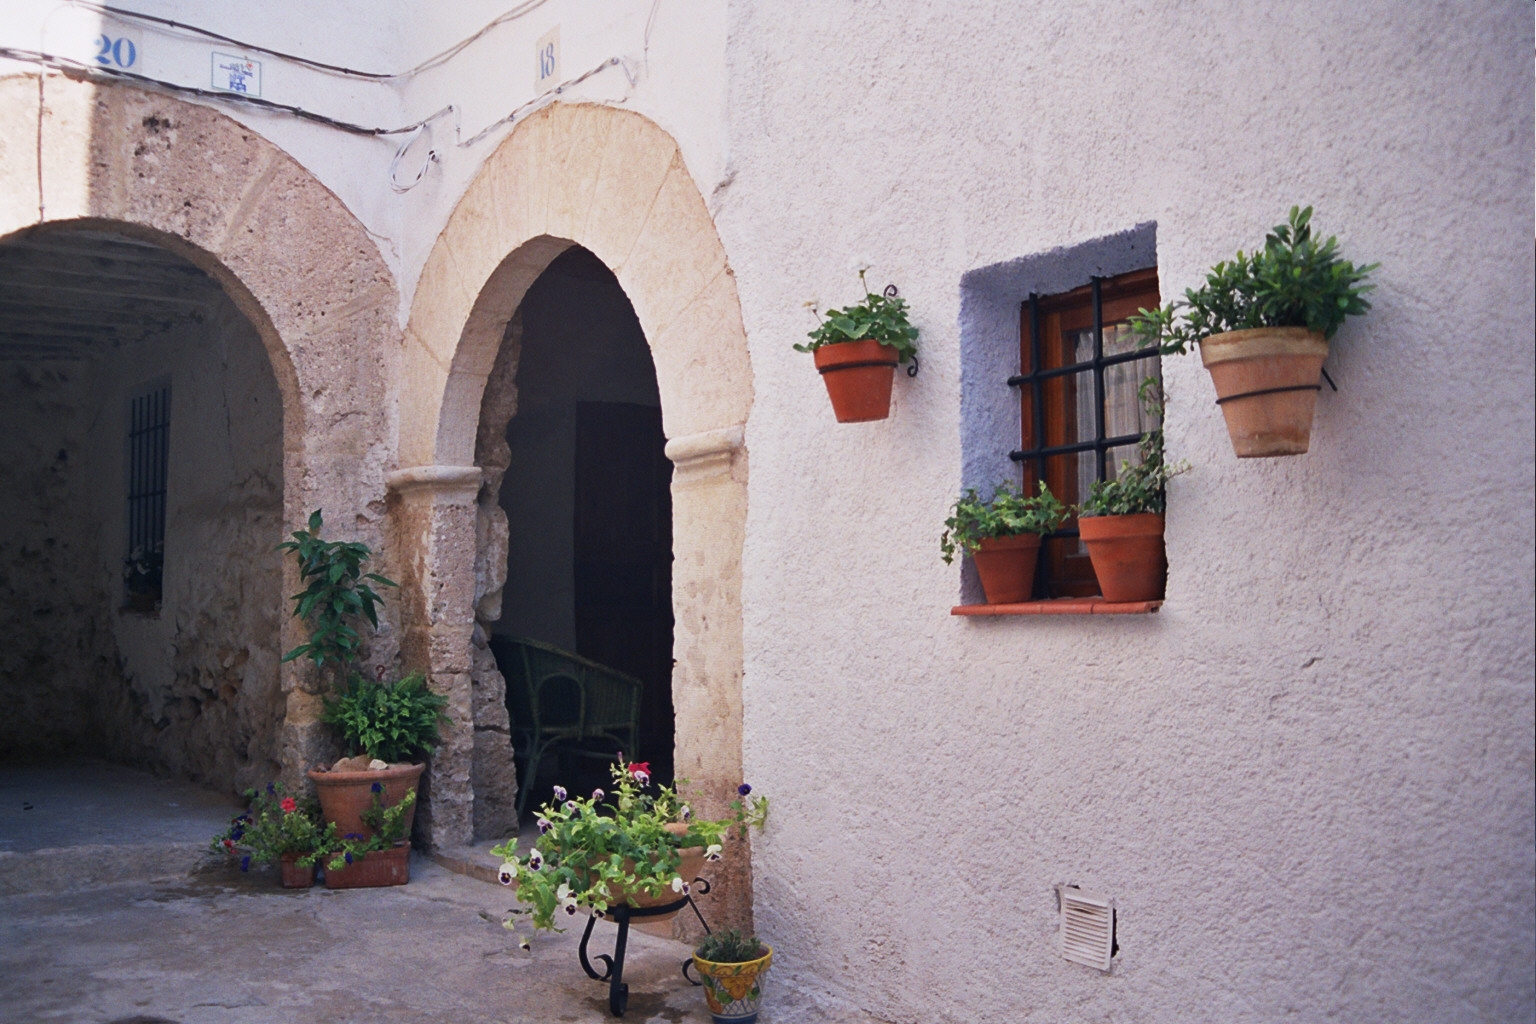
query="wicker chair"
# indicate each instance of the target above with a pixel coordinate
(556, 698)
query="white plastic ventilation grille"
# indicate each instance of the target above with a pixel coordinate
(1087, 928)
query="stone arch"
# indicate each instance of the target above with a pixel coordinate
(615, 183)
(285, 249)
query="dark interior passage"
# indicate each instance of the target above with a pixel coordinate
(588, 506)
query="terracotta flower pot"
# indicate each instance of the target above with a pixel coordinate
(293, 876)
(1266, 384)
(1006, 566)
(379, 868)
(1127, 554)
(344, 796)
(734, 991)
(692, 864)
(858, 376)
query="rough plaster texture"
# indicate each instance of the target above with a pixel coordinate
(1307, 782)
(197, 183)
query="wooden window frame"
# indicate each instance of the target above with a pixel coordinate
(1048, 406)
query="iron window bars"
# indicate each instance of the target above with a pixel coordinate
(149, 431)
(1035, 379)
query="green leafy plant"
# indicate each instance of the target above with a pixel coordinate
(590, 849)
(1140, 486)
(1007, 513)
(275, 824)
(730, 947)
(335, 590)
(388, 825)
(1294, 281)
(881, 318)
(391, 722)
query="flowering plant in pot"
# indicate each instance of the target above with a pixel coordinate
(282, 828)
(857, 349)
(732, 966)
(379, 855)
(1121, 520)
(1263, 323)
(1002, 535)
(384, 725)
(639, 844)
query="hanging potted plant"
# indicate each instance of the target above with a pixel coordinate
(857, 349)
(1002, 536)
(384, 726)
(281, 828)
(1121, 521)
(1263, 323)
(732, 967)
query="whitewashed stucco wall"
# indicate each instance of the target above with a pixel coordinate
(673, 71)
(1307, 782)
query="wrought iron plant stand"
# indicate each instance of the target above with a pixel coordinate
(613, 966)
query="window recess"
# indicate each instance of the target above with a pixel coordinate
(1079, 410)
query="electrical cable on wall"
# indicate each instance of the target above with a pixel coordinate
(414, 131)
(154, 21)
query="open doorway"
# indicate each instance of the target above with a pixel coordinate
(587, 501)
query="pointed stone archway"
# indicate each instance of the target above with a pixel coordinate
(290, 256)
(614, 182)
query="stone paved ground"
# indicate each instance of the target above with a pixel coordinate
(227, 948)
(111, 912)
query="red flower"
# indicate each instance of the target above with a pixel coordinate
(640, 770)
(289, 805)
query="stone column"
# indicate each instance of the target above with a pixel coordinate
(432, 533)
(709, 510)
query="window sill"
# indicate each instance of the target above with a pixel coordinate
(1061, 606)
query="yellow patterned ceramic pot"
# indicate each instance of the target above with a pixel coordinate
(734, 991)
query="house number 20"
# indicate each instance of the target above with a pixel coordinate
(111, 51)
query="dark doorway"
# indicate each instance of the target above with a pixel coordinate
(623, 558)
(589, 518)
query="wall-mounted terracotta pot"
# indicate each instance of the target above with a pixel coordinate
(1127, 554)
(858, 375)
(1266, 384)
(1006, 566)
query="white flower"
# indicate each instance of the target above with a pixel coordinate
(563, 892)
(712, 852)
(569, 906)
(597, 912)
(678, 885)
(535, 861)
(507, 873)
(524, 944)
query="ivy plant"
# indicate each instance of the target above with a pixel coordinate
(391, 722)
(1006, 513)
(335, 590)
(1140, 486)
(1294, 281)
(881, 318)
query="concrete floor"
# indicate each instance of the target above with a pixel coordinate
(111, 913)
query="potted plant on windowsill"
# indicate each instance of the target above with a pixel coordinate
(1121, 521)
(1263, 323)
(732, 966)
(282, 828)
(383, 725)
(857, 349)
(640, 845)
(1002, 536)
